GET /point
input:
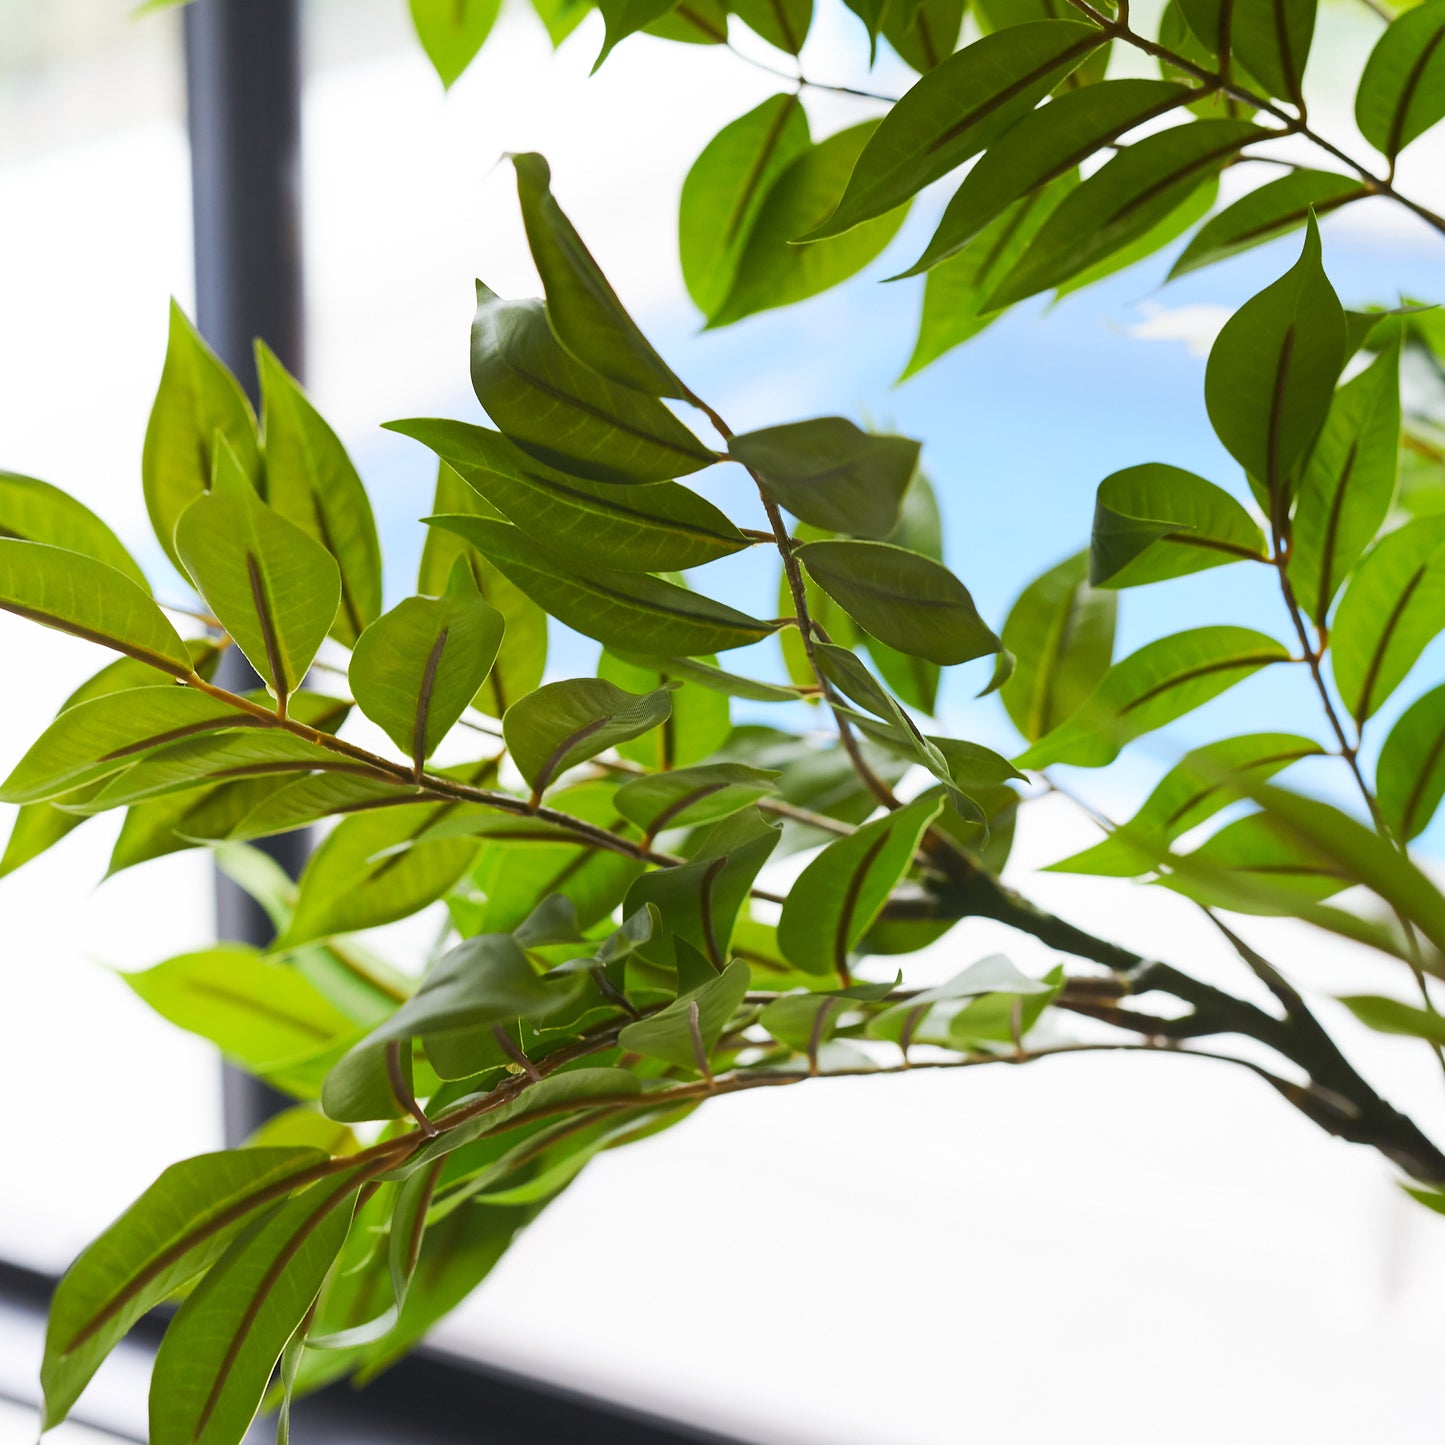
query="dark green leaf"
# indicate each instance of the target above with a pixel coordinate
(687, 797)
(626, 610)
(452, 32)
(414, 671)
(564, 413)
(311, 482)
(684, 1033)
(1272, 372)
(691, 669)
(1163, 680)
(198, 398)
(925, 32)
(901, 598)
(693, 22)
(565, 723)
(627, 17)
(696, 728)
(1402, 92)
(1155, 521)
(583, 308)
(273, 588)
(1410, 776)
(32, 511)
(662, 527)
(1269, 38)
(955, 111)
(783, 23)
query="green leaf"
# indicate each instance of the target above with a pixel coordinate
(261, 1014)
(901, 598)
(565, 723)
(1348, 483)
(684, 1033)
(627, 17)
(783, 23)
(1062, 632)
(585, 313)
(956, 290)
(700, 899)
(1047, 143)
(687, 797)
(1190, 793)
(1402, 92)
(414, 671)
(1272, 371)
(1122, 201)
(955, 111)
(693, 22)
(627, 610)
(452, 32)
(75, 594)
(198, 399)
(1272, 210)
(1155, 521)
(32, 511)
(1390, 1016)
(724, 194)
(696, 728)
(104, 735)
(564, 413)
(311, 482)
(928, 1017)
(1393, 607)
(830, 473)
(706, 674)
(218, 1353)
(1269, 38)
(523, 656)
(928, 35)
(272, 587)
(662, 527)
(186, 819)
(1410, 776)
(370, 870)
(772, 271)
(561, 17)
(1163, 680)
(844, 888)
(172, 1233)
(919, 529)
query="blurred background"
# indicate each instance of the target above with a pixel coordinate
(1118, 1249)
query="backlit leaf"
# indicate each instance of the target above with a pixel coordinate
(452, 32)
(1410, 776)
(1402, 92)
(32, 511)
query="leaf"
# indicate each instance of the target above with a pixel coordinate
(830, 473)
(75, 594)
(928, 35)
(693, 22)
(700, 900)
(928, 1016)
(259, 1013)
(273, 588)
(1348, 484)
(1393, 607)
(452, 32)
(844, 888)
(956, 289)
(522, 658)
(1402, 92)
(561, 17)
(414, 670)
(955, 111)
(1122, 201)
(662, 527)
(198, 398)
(687, 797)
(1062, 632)
(1163, 680)
(1390, 1016)
(311, 482)
(706, 674)
(564, 413)
(218, 1353)
(919, 529)
(171, 1234)
(1272, 371)
(772, 271)
(685, 1032)
(904, 600)
(1155, 521)
(32, 511)
(1410, 776)
(1190, 793)
(370, 870)
(564, 723)
(783, 23)
(1047, 143)
(627, 17)
(1263, 214)
(696, 728)
(1269, 38)
(724, 194)
(585, 313)
(626, 610)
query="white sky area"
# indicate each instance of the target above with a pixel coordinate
(1105, 1248)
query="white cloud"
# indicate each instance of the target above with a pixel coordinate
(1195, 326)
